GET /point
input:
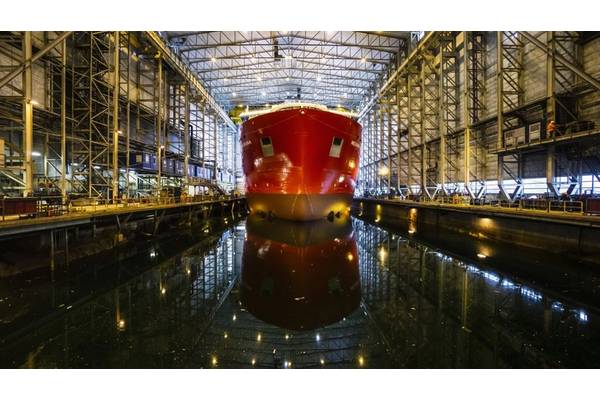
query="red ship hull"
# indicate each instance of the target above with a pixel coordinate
(300, 164)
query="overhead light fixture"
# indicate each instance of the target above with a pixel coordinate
(36, 153)
(263, 93)
(259, 78)
(287, 79)
(213, 59)
(34, 102)
(319, 78)
(363, 59)
(233, 94)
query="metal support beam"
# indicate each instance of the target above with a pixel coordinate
(408, 61)
(115, 99)
(186, 135)
(179, 66)
(28, 61)
(27, 115)
(63, 122)
(159, 145)
(557, 57)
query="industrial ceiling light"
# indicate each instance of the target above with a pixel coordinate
(384, 170)
(259, 78)
(364, 59)
(213, 59)
(263, 93)
(287, 79)
(36, 153)
(233, 94)
(319, 78)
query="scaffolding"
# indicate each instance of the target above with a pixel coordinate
(107, 116)
(470, 118)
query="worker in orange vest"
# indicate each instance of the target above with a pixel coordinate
(551, 128)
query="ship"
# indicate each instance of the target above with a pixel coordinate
(298, 275)
(300, 161)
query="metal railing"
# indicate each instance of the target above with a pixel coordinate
(49, 206)
(536, 205)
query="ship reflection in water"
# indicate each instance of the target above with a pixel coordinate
(299, 275)
(275, 294)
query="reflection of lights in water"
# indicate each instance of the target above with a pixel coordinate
(163, 290)
(225, 335)
(234, 317)
(481, 256)
(317, 337)
(486, 223)
(152, 253)
(472, 269)
(382, 255)
(349, 257)
(253, 362)
(322, 361)
(583, 316)
(531, 294)
(361, 361)
(188, 271)
(491, 277)
(258, 337)
(558, 306)
(287, 337)
(411, 231)
(264, 249)
(287, 364)
(508, 284)
(121, 324)
(214, 360)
